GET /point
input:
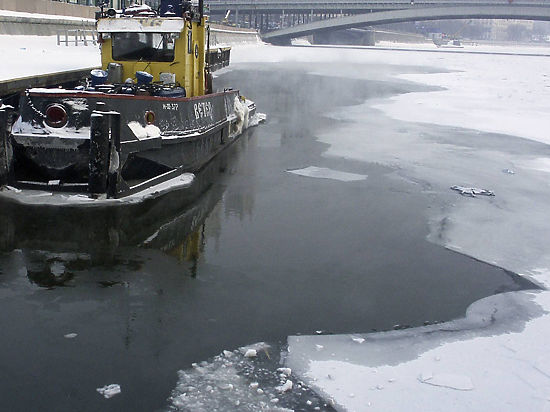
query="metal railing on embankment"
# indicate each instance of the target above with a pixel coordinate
(76, 36)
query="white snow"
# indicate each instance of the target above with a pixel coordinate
(109, 391)
(325, 173)
(149, 131)
(33, 55)
(70, 335)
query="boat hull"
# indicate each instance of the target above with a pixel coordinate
(157, 135)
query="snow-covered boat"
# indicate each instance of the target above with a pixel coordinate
(147, 117)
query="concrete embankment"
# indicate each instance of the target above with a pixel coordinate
(16, 23)
(49, 7)
(220, 34)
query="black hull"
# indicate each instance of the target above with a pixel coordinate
(185, 135)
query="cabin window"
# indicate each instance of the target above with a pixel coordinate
(152, 47)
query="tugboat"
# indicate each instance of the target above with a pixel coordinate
(148, 117)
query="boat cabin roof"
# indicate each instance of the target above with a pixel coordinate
(141, 25)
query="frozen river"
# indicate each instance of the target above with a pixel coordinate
(333, 220)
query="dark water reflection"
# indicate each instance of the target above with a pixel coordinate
(250, 253)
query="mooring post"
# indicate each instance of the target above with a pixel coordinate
(6, 157)
(99, 153)
(113, 182)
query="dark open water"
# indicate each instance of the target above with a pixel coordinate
(252, 253)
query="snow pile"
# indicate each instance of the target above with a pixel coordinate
(325, 173)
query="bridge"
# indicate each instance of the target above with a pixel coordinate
(282, 20)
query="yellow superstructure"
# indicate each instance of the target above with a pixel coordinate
(189, 48)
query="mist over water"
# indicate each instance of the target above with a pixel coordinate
(251, 253)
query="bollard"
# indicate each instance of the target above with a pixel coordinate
(99, 153)
(6, 157)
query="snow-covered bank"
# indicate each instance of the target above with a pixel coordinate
(22, 53)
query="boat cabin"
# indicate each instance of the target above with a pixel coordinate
(169, 46)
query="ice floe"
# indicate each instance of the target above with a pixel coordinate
(325, 173)
(108, 391)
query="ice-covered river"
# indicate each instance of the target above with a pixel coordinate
(332, 221)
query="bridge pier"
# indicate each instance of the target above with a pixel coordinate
(369, 39)
(322, 37)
